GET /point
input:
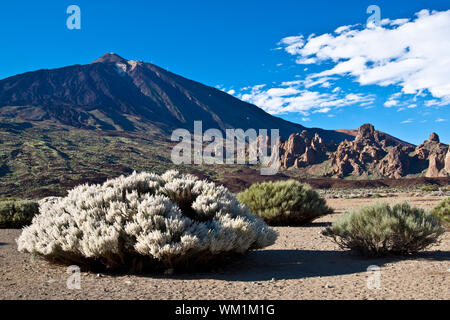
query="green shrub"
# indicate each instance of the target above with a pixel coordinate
(380, 229)
(442, 211)
(284, 202)
(9, 199)
(17, 213)
(429, 188)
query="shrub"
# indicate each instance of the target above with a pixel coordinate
(284, 202)
(145, 221)
(442, 211)
(429, 188)
(17, 213)
(9, 199)
(380, 229)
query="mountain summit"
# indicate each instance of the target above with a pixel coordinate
(110, 58)
(113, 93)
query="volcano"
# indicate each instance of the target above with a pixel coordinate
(113, 93)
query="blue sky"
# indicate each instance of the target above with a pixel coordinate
(311, 62)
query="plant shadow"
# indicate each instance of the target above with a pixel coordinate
(317, 225)
(265, 265)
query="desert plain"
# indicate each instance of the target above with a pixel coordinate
(302, 264)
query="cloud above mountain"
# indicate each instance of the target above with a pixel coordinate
(293, 97)
(412, 55)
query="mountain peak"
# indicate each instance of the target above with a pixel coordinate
(114, 93)
(110, 58)
(366, 131)
(434, 137)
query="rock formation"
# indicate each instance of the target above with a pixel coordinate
(434, 153)
(357, 157)
(395, 164)
(371, 153)
(447, 162)
(302, 150)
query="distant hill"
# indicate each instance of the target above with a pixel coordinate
(112, 93)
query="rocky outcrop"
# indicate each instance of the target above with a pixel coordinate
(395, 164)
(366, 132)
(302, 150)
(371, 153)
(434, 153)
(434, 166)
(374, 153)
(357, 157)
(447, 162)
(433, 137)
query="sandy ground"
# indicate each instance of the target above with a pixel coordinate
(301, 265)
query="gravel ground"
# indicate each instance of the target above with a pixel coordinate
(301, 265)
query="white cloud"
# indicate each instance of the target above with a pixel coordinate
(342, 29)
(368, 103)
(323, 110)
(413, 54)
(407, 121)
(441, 120)
(390, 103)
(292, 43)
(306, 119)
(337, 89)
(438, 102)
(398, 22)
(232, 91)
(294, 96)
(323, 82)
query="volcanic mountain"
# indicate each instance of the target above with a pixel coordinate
(112, 93)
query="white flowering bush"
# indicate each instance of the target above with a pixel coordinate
(145, 221)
